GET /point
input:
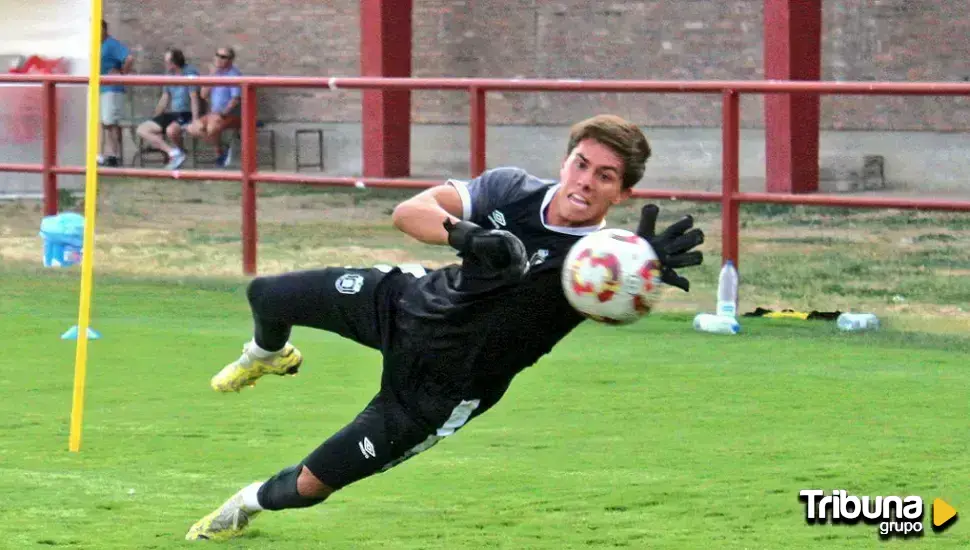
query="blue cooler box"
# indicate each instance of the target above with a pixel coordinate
(63, 236)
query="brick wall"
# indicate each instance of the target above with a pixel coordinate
(647, 39)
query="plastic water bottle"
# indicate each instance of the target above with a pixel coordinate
(718, 324)
(857, 321)
(727, 291)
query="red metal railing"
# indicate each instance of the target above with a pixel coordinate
(730, 197)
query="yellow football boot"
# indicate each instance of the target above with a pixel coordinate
(249, 368)
(226, 522)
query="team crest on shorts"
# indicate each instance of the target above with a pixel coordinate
(350, 283)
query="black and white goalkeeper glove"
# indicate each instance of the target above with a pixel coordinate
(495, 251)
(673, 246)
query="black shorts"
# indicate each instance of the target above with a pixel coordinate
(354, 303)
(379, 438)
(360, 304)
(165, 119)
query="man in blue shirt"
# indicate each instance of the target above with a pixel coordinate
(116, 58)
(177, 107)
(225, 107)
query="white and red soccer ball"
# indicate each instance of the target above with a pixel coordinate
(612, 276)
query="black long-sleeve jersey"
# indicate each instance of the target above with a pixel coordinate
(464, 340)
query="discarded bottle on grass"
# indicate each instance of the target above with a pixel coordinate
(857, 321)
(717, 324)
(727, 291)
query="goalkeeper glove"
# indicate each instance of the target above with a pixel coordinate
(673, 246)
(495, 251)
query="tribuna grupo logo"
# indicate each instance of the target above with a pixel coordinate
(895, 516)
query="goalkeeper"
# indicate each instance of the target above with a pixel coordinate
(452, 339)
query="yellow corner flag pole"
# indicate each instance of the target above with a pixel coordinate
(90, 210)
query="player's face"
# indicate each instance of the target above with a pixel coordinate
(592, 182)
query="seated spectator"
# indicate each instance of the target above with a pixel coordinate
(177, 107)
(225, 107)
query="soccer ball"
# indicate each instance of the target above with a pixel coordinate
(612, 276)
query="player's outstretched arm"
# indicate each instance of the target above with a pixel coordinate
(433, 216)
(423, 215)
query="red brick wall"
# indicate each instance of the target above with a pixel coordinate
(647, 39)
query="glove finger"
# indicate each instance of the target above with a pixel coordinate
(677, 228)
(518, 258)
(459, 234)
(685, 260)
(503, 253)
(648, 221)
(516, 271)
(671, 277)
(685, 242)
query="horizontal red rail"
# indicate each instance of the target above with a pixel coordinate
(292, 178)
(216, 175)
(523, 85)
(856, 202)
(25, 168)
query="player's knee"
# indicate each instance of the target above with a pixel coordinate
(258, 290)
(274, 297)
(308, 486)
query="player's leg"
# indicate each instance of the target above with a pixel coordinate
(380, 437)
(339, 300)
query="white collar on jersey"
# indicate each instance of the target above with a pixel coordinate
(579, 231)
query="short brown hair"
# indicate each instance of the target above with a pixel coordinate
(178, 57)
(620, 135)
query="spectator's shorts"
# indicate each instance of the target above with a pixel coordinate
(165, 119)
(112, 107)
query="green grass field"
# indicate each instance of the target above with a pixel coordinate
(637, 437)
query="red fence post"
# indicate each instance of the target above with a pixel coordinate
(49, 159)
(476, 126)
(248, 165)
(386, 38)
(730, 161)
(792, 51)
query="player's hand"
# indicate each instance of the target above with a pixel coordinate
(673, 246)
(495, 250)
